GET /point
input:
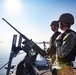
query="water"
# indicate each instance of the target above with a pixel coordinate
(4, 57)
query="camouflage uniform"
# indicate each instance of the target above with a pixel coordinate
(52, 47)
(66, 52)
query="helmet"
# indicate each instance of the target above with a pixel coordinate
(67, 18)
(55, 23)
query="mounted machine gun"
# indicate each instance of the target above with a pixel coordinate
(28, 44)
(34, 46)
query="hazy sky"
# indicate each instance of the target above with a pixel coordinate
(32, 17)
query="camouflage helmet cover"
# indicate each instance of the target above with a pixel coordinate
(55, 23)
(67, 18)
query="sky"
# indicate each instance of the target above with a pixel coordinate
(32, 18)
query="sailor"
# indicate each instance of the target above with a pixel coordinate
(51, 51)
(66, 45)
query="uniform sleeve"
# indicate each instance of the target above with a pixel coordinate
(67, 45)
(50, 42)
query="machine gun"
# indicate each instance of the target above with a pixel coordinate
(34, 46)
(28, 44)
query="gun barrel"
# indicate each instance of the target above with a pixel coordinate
(15, 29)
(11, 25)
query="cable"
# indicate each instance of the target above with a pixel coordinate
(4, 65)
